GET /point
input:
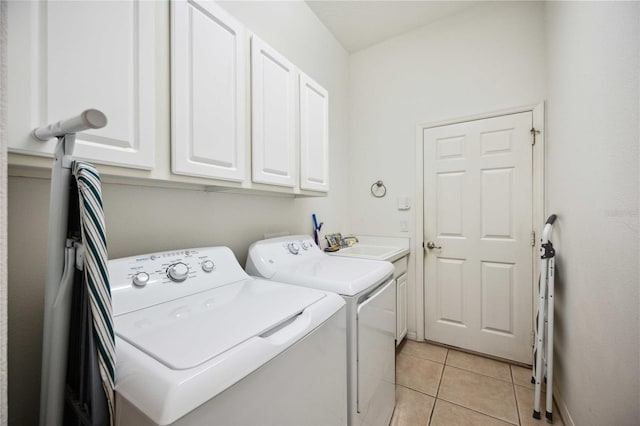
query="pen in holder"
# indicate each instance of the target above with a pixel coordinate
(316, 229)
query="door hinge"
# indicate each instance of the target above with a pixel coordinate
(533, 238)
(534, 132)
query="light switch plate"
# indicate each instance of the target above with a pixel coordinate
(404, 203)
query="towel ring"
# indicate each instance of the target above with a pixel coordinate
(378, 189)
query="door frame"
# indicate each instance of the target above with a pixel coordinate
(539, 200)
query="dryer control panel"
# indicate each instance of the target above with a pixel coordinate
(141, 281)
(266, 256)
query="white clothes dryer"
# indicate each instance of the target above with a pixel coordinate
(369, 290)
(198, 341)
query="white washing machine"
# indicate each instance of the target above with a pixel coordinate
(369, 289)
(199, 342)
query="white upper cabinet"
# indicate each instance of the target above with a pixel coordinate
(208, 91)
(314, 135)
(241, 115)
(273, 100)
(65, 57)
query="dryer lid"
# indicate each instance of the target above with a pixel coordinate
(189, 331)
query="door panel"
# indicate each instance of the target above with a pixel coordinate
(208, 92)
(497, 294)
(450, 291)
(274, 148)
(496, 209)
(314, 135)
(67, 57)
(478, 209)
(450, 187)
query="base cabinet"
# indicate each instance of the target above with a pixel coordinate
(400, 274)
(401, 308)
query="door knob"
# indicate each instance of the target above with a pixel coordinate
(432, 245)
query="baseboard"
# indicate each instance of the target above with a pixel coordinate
(562, 406)
(412, 335)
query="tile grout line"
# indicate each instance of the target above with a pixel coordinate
(481, 374)
(416, 356)
(513, 386)
(444, 365)
(480, 412)
(486, 358)
(435, 399)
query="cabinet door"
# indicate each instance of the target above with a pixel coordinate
(274, 150)
(65, 57)
(314, 135)
(401, 308)
(207, 92)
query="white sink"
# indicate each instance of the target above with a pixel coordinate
(369, 251)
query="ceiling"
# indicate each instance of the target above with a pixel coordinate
(358, 24)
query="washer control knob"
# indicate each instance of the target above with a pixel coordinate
(140, 279)
(178, 272)
(208, 265)
(294, 248)
(305, 245)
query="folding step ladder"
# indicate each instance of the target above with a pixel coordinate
(543, 342)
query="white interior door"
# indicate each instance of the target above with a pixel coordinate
(478, 191)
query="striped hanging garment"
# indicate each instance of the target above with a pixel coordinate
(96, 274)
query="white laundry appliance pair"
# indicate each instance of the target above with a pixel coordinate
(200, 342)
(368, 288)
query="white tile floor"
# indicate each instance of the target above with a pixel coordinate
(440, 386)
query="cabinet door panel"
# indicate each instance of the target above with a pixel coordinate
(274, 145)
(208, 92)
(80, 55)
(314, 135)
(401, 308)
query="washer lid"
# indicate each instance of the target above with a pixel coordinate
(345, 276)
(189, 331)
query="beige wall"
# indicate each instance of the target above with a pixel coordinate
(484, 59)
(4, 406)
(143, 219)
(592, 162)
